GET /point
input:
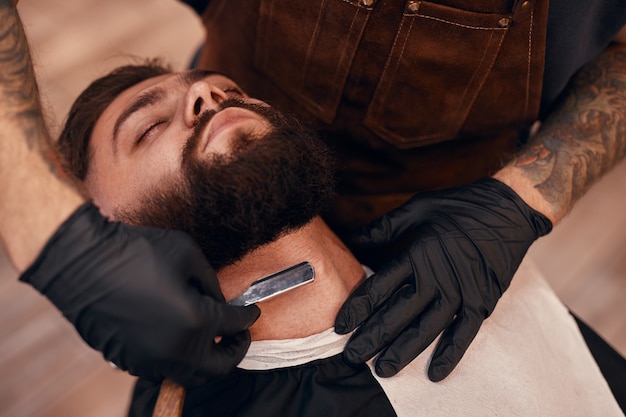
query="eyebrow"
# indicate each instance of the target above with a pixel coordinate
(189, 77)
(144, 100)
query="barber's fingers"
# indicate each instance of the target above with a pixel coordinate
(453, 344)
(227, 320)
(415, 338)
(224, 337)
(390, 227)
(224, 355)
(186, 259)
(202, 275)
(371, 294)
(385, 230)
(384, 326)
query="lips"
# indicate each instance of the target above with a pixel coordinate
(230, 117)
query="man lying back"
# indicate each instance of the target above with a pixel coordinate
(191, 151)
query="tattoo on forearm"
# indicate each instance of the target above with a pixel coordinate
(584, 137)
(19, 96)
(18, 88)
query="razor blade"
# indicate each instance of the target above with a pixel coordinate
(276, 284)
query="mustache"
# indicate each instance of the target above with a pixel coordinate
(205, 118)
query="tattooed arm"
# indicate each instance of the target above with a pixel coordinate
(472, 239)
(34, 197)
(578, 143)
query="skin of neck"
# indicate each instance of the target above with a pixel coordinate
(305, 310)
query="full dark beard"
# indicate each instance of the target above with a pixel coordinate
(232, 204)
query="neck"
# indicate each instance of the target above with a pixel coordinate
(308, 309)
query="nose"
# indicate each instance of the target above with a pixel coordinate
(201, 96)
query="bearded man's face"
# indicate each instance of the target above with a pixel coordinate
(235, 174)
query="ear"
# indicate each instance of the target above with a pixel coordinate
(97, 196)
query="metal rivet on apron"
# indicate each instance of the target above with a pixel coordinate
(525, 4)
(412, 7)
(504, 22)
(367, 3)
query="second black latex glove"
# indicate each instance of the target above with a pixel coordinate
(464, 246)
(146, 298)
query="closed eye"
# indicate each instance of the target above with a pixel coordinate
(146, 133)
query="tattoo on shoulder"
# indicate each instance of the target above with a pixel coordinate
(584, 137)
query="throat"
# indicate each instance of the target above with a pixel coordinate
(305, 310)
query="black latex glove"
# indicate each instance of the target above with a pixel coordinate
(465, 245)
(138, 296)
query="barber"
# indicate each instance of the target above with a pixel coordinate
(417, 96)
(147, 299)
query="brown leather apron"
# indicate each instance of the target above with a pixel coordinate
(412, 95)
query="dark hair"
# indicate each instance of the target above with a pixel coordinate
(73, 142)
